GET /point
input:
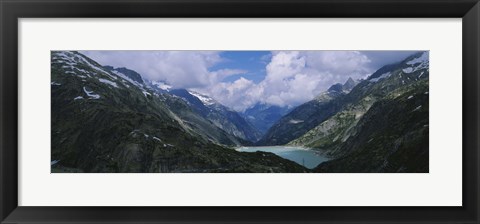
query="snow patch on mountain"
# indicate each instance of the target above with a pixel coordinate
(293, 121)
(91, 94)
(85, 61)
(146, 93)
(384, 75)
(123, 76)
(71, 61)
(205, 99)
(108, 82)
(161, 85)
(422, 59)
(419, 63)
(155, 138)
(407, 70)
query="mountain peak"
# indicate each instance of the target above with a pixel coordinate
(338, 87)
(420, 57)
(162, 85)
(349, 84)
(130, 74)
(206, 100)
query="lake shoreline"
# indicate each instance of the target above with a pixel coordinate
(306, 157)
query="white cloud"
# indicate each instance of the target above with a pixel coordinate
(293, 77)
(344, 63)
(237, 95)
(219, 75)
(182, 69)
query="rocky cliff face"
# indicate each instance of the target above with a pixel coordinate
(383, 124)
(392, 136)
(308, 115)
(222, 117)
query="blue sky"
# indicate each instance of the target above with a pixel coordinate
(252, 61)
(241, 79)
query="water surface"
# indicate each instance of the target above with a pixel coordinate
(303, 156)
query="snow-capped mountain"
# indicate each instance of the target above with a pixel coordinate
(206, 100)
(161, 85)
(128, 76)
(221, 116)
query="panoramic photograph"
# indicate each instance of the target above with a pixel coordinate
(318, 111)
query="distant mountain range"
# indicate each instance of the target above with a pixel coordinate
(263, 116)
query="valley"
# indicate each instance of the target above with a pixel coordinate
(114, 120)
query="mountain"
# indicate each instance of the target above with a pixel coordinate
(342, 88)
(160, 86)
(127, 74)
(392, 136)
(226, 119)
(339, 127)
(197, 123)
(307, 116)
(382, 125)
(263, 116)
(219, 115)
(109, 120)
(349, 84)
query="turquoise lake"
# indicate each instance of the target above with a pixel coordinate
(302, 156)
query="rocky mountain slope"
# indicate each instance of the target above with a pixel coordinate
(392, 136)
(382, 124)
(224, 118)
(340, 126)
(307, 116)
(107, 120)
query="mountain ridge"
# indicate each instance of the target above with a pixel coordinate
(396, 97)
(293, 124)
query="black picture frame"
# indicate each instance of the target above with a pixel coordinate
(12, 10)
